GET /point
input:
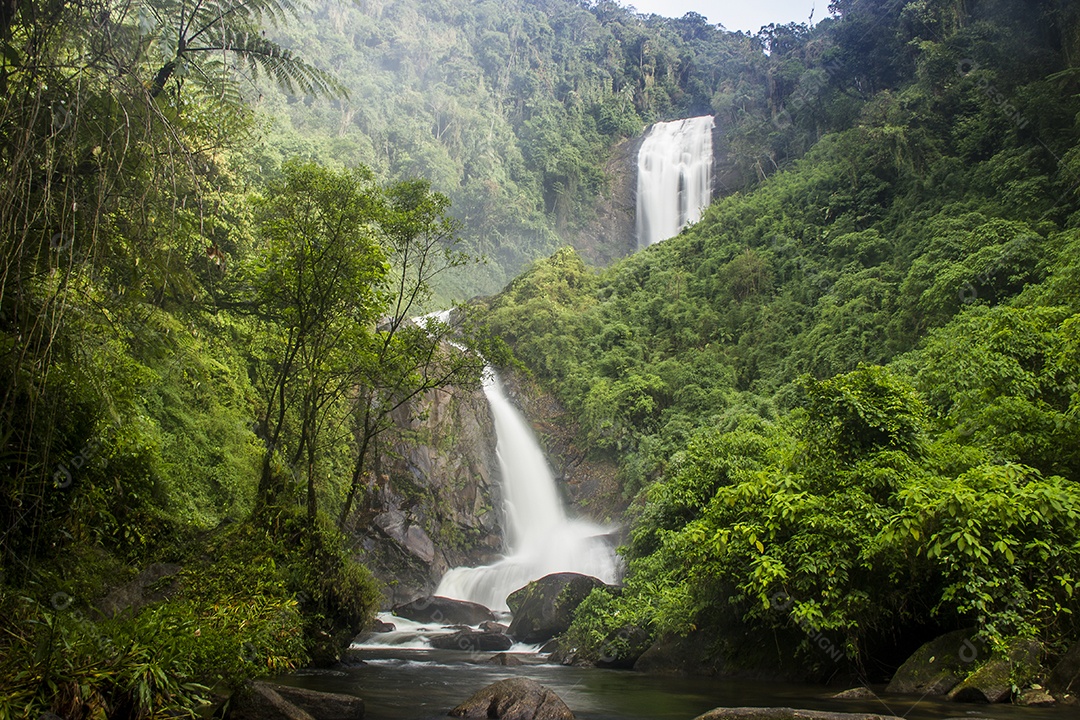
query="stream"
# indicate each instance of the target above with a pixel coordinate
(413, 684)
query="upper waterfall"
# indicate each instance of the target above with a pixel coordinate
(674, 177)
(540, 538)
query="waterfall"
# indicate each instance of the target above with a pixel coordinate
(540, 538)
(674, 177)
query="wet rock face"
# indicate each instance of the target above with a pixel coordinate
(993, 681)
(545, 608)
(514, 699)
(433, 502)
(1065, 677)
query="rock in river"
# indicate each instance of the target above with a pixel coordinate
(938, 666)
(443, 611)
(514, 699)
(545, 608)
(470, 640)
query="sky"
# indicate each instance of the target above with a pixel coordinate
(747, 15)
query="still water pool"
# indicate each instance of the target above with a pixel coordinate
(426, 684)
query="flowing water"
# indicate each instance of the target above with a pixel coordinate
(674, 177)
(540, 538)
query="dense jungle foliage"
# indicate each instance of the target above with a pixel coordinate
(510, 107)
(854, 387)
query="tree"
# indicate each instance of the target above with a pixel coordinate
(316, 285)
(194, 34)
(410, 356)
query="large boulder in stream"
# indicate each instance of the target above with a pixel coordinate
(784, 713)
(545, 608)
(938, 666)
(993, 681)
(443, 611)
(472, 641)
(514, 699)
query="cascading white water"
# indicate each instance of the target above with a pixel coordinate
(540, 538)
(674, 177)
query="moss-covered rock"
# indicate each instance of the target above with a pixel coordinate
(545, 608)
(939, 665)
(993, 681)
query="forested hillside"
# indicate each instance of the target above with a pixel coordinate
(855, 386)
(510, 108)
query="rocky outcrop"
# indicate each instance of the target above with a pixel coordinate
(783, 713)
(993, 681)
(433, 500)
(545, 608)
(472, 641)
(612, 233)
(504, 660)
(443, 611)
(514, 699)
(270, 701)
(939, 665)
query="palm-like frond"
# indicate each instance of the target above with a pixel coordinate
(191, 29)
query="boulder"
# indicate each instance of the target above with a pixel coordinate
(1065, 677)
(545, 608)
(504, 660)
(514, 699)
(492, 626)
(938, 666)
(550, 646)
(859, 693)
(322, 705)
(472, 641)
(783, 713)
(380, 626)
(443, 611)
(1036, 697)
(992, 682)
(259, 701)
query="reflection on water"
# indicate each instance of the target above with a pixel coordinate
(423, 685)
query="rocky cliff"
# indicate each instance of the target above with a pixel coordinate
(589, 487)
(433, 502)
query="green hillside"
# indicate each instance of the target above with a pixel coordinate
(855, 385)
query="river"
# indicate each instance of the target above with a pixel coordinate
(426, 684)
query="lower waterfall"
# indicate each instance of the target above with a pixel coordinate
(540, 538)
